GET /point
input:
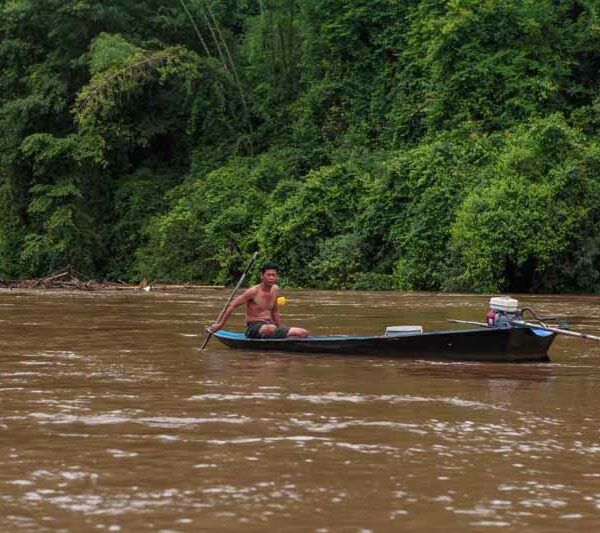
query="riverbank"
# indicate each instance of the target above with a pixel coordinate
(68, 279)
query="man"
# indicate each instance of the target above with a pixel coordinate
(262, 313)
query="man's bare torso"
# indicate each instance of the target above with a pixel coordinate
(260, 307)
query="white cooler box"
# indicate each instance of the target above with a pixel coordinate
(400, 331)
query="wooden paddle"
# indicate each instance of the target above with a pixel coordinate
(231, 296)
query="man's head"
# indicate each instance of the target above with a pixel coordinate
(269, 265)
(269, 272)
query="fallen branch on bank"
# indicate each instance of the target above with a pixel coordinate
(67, 279)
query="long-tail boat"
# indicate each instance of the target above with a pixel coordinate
(508, 344)
(504, 337)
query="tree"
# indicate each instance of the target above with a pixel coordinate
(538, 204)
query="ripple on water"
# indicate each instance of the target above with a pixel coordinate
(336, 424)
(119, 417)
(55, 354)
(334, 397)
(253, 440)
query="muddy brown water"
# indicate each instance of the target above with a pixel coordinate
(111, 420)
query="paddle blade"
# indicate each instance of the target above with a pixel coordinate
(209, 332)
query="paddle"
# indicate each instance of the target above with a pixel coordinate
(239, 283)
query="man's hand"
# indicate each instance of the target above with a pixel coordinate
(215, 327)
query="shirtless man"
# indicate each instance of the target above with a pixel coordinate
(262, 313)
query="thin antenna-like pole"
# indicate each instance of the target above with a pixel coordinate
(206, 49)
(231, 62)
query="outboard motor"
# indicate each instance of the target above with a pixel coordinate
(503, 310)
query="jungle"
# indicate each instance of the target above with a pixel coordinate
(442, 145)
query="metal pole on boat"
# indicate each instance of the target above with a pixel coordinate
(239, 283)
(468, 322)
(557, 330)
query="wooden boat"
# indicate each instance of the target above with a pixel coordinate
(508, 344)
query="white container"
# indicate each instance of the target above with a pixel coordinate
(399, 331)
(504, 303)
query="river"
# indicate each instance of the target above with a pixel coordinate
(112, 420)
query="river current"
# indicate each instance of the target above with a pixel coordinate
(111, 419)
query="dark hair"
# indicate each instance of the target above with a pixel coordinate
(269, 265)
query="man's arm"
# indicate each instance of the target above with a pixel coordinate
(239, 300)
(275, 311)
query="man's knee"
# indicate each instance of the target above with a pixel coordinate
(268, 330)
(298, 332)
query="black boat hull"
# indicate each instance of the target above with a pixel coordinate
(518, 344)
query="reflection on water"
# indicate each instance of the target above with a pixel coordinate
(112, 420)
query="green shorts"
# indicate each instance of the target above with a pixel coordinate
(253, 331)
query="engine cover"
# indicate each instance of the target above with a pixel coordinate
(504, 304)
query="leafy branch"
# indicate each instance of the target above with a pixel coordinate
(106, 88)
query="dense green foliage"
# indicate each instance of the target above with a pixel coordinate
(414, 144)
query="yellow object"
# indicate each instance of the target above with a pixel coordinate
(281, 300)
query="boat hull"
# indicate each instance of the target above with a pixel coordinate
(518, 344)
